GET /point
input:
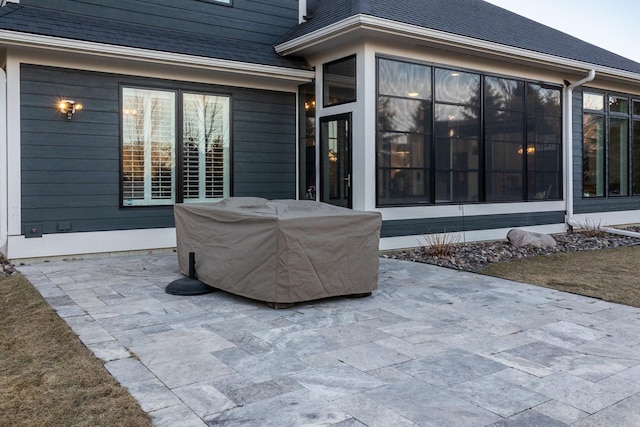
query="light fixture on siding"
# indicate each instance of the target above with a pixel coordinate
(69, 107)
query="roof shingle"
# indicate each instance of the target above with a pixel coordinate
(33, 20)
(471, 18)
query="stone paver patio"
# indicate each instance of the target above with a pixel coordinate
(431, 347)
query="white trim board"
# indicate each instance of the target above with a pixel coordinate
(78, 244)
(14, 38)
(428, 35)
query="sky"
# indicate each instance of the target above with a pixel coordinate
(610, 24)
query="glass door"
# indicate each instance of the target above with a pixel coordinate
(335, 155)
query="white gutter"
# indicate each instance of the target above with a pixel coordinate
(570, 220)
(4, 166)
(422, 34)
(15, 38)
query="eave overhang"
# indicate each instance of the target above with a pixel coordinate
(360, 25)
(18, 39)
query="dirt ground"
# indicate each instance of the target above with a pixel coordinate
(609, 274)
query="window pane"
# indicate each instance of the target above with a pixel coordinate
(636, 108)
(457, 153)
(205, 133)
(636, 157)
(593, 101)
(404, 115)
(593, 156)
(543, 101)
(457, 87)
(543, 166)
(403, 186)
(400, 150)
(618, 105)
(618, 157)
(340, 81)
(503, 94)
(404, 79)
(543, 151)
(148, 147)
(505, 186)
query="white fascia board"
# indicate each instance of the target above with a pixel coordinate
(380, 25)
(14, 38)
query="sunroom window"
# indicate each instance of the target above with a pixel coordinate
(165, 161)
(453, 136)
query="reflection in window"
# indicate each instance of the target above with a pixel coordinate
(307, 143)
(505, 139)
(618, 157)
(205, 147)
(618, 105)
(593, 101)
(404, 79)
(404, 133)
(593, 156)
(544, 142)
(148, 147)
(339, 81)
(457, 132)
(517, 156)
(457, 87)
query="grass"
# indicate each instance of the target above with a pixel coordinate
(47, 376)
(610, 274)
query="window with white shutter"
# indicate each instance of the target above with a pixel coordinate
(151, 142)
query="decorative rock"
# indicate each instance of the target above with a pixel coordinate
(475, 255)
(520, 238)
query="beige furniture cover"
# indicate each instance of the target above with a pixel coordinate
(280, 251)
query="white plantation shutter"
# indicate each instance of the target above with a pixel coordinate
(148, 145)
(205, 136)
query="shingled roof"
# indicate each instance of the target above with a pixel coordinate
(34, 20)
(476, 19)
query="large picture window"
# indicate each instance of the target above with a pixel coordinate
(165, 161)
(449, 136)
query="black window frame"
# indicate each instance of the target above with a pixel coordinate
(556, 194)
(325, 86)
(607, 114)
(179, 146)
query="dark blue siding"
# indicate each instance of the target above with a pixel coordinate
(262, 21)
(70, 168)
(411, 227)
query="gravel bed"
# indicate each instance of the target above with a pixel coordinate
(476, 255)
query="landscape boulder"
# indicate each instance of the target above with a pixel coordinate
(519, 238)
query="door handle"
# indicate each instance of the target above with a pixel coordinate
(348, 180)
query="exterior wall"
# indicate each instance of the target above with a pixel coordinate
(404, 226)
(70, 168)
(597, 207)
(256, 21)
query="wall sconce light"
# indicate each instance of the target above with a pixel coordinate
(69, 107)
